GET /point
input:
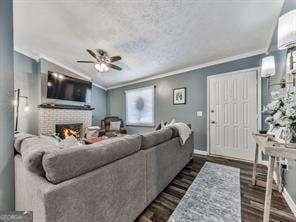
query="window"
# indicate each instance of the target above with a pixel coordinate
(139, 106)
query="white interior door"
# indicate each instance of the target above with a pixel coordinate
(232, 108)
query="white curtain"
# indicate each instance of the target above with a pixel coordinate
(139, 106)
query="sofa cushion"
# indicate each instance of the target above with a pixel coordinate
(32, 148)
(156, 137)
(70, 163)
(175, 131)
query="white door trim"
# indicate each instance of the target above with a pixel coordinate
(233, 72)
(258, 101)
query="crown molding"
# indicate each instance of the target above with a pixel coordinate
(99, 86)
(27, 53)
(39, 56)
(187, 69)
(71, 70)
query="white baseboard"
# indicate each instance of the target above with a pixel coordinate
(289, 201)
(287, 197)
(200, 152)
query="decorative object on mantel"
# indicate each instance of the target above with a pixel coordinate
(179, 96)
(62, 106)
(16, 102)
(287, 40)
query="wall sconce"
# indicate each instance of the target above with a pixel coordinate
(16, 103)
(287, 40)
(267, 66)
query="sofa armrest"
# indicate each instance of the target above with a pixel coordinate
(114, 192)
(29, 190)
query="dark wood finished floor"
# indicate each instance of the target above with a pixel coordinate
(252, 196)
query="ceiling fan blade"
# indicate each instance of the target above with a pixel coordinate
(113, 66)
(115, 58)
(92, 53)
(86, 61)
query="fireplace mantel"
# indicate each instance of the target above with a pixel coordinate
(62, 106)
(50, 117)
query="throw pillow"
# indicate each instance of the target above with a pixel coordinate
(115, 126)
(171, 123)
(158, 127)
(163, 124)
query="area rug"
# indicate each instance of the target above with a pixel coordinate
(213, 196)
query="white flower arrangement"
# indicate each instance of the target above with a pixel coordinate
(282, 112)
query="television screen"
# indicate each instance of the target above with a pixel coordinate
(67, 88)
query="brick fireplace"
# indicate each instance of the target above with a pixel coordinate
(49, 118)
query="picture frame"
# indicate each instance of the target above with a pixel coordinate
(179, 96)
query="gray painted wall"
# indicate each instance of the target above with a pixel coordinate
(196, 84)
(46, 66)
(31, 78)
(98, 102)
(6, 108)
(26, 78)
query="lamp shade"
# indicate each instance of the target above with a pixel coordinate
(268, 66)
(287, 30)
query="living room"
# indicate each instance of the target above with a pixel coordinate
(147, 110)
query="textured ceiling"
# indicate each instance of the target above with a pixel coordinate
(153, 37)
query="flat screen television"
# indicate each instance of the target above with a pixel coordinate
(68, 88)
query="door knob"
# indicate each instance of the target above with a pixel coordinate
(212, 111)
(213, 122)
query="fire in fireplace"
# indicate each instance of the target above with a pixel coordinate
(67, 130)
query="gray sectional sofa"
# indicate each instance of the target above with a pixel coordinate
(113, 180)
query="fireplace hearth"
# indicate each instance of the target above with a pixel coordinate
(66, 130)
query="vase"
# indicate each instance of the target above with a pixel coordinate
(283, 134)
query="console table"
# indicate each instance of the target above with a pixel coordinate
(275, 151)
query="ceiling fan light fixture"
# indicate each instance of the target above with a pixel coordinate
(101, 67)
(102, 62)
(98, 67)
(105, 67)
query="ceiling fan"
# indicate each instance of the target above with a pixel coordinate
(102, 60)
